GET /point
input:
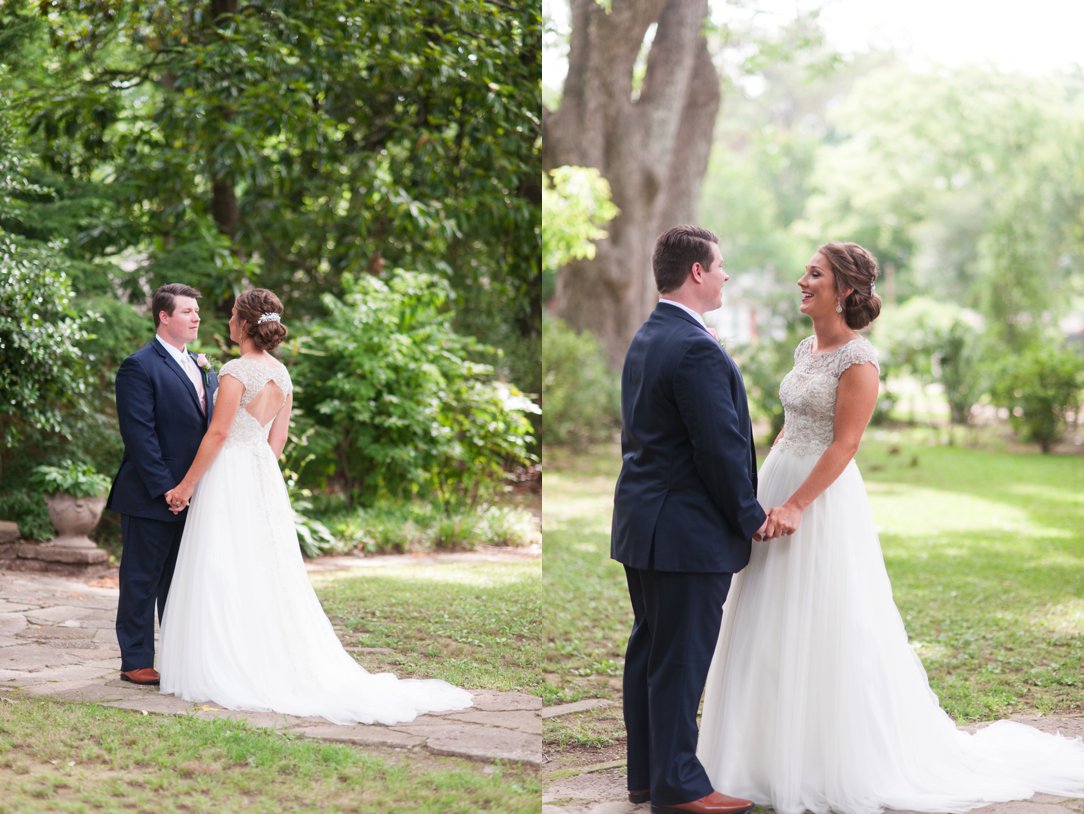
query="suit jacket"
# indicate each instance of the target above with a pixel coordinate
(162, 426)
(686, 497)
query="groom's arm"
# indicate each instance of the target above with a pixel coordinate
(136, 415)
(703, 384)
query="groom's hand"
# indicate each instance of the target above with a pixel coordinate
(766, 530)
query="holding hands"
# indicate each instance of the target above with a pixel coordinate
(179, 497)
(781, 521)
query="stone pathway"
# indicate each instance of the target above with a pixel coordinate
(600, 789)
(57, 639)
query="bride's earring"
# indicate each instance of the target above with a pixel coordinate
(839, 307)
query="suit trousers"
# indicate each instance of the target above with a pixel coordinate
(146, 570)
(676, 621)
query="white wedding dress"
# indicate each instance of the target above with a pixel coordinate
(815, 701)
(242, 626)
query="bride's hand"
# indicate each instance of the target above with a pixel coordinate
(178, 498)
(787, 518)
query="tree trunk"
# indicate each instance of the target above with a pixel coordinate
(653, 149)
(224, 207)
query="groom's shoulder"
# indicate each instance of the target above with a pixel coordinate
(141, 357)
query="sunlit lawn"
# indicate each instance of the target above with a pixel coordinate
(985, 550)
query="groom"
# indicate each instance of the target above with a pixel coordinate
(685, 512)
(164, 404)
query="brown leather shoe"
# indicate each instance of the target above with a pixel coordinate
(144, 675)
(639, 796)
(714, 803)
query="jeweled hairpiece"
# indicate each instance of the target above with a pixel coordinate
(270, 316)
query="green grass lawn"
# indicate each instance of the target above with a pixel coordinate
(985, 551)
(62, 757)
(474, 623)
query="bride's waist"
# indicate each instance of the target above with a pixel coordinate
(802, 446)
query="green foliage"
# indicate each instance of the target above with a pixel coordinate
(22, 504)
(936, 342)
(393, 527)
(1039, 385)
(580, 393)
(396, 403)
(286, 145)
(576, 204)
(41, 369)
(71, 478)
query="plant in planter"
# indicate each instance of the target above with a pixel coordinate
(75, 494)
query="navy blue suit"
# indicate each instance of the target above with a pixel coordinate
(685, 511)
(162, 425)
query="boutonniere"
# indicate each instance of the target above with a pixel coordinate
(204, 364)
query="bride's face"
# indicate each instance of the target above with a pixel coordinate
(235, 326)
(818, 286)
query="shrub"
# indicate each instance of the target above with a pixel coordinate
(1039, 386)
(396, 404)
(41, 370)
(580, 394)
(70, 478)
(398, 527)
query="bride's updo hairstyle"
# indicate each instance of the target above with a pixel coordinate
(855, 268)
(259, 304)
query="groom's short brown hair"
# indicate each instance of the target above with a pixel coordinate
(164, 298)
(675, 252)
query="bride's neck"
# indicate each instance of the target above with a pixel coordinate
(832, 332)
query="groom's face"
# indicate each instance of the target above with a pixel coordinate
(182, 326)
(714, 279)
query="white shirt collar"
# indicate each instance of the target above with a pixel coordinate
(686, 309)
(178, 355)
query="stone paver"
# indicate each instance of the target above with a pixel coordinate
(57, 640)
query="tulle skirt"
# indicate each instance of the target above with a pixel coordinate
(816, 701)
(243, 627)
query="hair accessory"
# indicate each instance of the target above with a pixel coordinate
(873, 288)
(270, 316)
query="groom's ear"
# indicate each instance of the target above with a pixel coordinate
(696, 271)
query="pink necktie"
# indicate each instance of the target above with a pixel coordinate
(197, 380)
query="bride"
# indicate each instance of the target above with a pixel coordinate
(815, 701)
(244, 627)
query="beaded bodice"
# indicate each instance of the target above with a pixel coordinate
(246, 430)
(808, 393)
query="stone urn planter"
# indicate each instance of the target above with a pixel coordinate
(74, 518)
(75, 495)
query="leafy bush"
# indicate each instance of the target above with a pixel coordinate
(1039, 386)
(413, 526)
(936, 342)
(395, 403)
(41, 370)
(25, 507)
(576, 204)
(70, 478)
(580, 394)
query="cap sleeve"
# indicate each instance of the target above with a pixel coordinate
(803, 348)
(284, 381)
(234, 368)
(856, 352)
